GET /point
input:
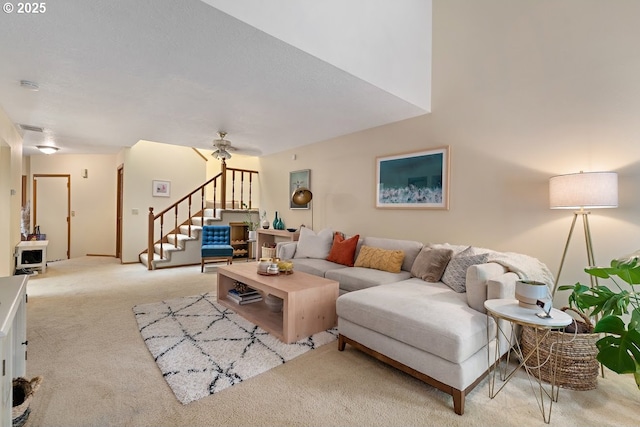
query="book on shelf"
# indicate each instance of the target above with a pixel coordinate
(244, 300)
(249, 292)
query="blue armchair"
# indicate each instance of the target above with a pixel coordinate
(216, 244)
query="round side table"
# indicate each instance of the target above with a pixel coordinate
(508, 314)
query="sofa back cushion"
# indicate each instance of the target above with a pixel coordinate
(410, 248)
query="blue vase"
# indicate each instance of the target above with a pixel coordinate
(276, 222)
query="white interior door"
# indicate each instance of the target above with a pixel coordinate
(51, 213)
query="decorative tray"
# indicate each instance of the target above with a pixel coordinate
(264, 273)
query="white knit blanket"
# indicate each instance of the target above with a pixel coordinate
(525, 266)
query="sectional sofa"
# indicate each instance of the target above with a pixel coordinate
(417, 307)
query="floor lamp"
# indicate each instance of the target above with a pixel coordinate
(301, 196)
(582, 191)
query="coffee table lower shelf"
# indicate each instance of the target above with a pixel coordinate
(258, 313)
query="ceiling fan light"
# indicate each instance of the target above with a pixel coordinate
(221, 154)
(47, 149)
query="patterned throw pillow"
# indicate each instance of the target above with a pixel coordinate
(455, 276)
(431, 263)
(343, 250)
(380, 259)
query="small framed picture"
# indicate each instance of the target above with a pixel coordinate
(298, 179)
(161, 188)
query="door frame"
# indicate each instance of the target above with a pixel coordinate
(119, 210)
(35, 203)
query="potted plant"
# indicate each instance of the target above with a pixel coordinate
(252, 225)
(619, 348)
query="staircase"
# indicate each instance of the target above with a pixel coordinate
(183, 248)
(180, 245)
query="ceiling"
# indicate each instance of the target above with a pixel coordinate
(113, 73)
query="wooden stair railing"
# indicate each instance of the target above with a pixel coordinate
(219, 185)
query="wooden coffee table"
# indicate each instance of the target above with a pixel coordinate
(309, 302)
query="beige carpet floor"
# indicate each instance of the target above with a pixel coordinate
(84, 341)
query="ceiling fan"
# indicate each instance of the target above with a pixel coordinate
(222, 147)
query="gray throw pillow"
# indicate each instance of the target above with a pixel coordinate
(431, 263)
(455, 276)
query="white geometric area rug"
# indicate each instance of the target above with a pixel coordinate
(202, 347)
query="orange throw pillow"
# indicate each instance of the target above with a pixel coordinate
(343, 250)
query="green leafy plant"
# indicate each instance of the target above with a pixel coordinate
(249, 222)
(619, 348)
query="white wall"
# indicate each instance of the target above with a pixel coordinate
(522, 91)
(144, 162)
(10, 201)
(93, 222)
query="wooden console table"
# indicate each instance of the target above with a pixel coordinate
(273, 236)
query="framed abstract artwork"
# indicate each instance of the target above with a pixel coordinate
(418, 180)
(161, 188)
(298, 179)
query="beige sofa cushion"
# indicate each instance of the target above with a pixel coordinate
(317, 267)
(427, 316)
(356, 278)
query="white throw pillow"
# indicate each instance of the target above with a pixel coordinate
(312, 245)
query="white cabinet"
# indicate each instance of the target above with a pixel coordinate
(13, 339)
(32, 254)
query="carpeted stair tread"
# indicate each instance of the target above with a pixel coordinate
(181, 239)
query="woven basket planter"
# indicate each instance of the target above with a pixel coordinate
(577, 367)
(268, 252)
(23, 390)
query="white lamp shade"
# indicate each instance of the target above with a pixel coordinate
(584, 190)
